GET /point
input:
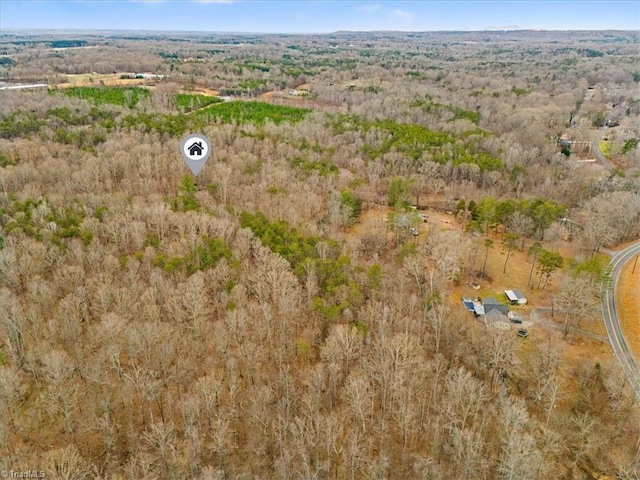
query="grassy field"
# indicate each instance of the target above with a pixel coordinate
(92, 79)
(605, 147)
(203, 106)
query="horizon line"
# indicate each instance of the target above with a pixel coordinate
(488, 29)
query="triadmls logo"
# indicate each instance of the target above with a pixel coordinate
(22, 474)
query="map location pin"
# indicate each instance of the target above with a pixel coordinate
(195, 149)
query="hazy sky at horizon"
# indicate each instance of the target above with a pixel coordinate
(317, 16)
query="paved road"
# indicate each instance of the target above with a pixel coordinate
(609, 314)
(616, 337)
(596, 149)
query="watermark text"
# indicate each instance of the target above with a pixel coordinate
(22, 474)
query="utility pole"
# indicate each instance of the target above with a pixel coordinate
(634, 265)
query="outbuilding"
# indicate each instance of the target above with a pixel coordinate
(515, 297)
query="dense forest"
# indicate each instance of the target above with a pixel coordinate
(294, 310)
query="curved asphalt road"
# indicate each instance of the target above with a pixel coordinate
(608, 297)
(596, 150)
(616, 337)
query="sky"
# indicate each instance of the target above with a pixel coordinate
(299, 16)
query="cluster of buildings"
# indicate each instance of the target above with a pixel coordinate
(495, 313)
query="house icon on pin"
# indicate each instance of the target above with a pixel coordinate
(195, 149)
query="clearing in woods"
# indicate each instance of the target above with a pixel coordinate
(373, 221)
(302, 99)
(115, 80)
(107, 79)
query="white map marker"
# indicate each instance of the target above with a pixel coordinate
(195, 149)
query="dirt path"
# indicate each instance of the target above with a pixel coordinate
(542, 316)
(207, 92)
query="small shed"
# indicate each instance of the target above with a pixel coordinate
(515, 297)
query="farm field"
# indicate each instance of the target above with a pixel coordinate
(106, 79)
(116, 80)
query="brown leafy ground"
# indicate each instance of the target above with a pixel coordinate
(577, 350)
(517, 276)
(628, 299)
(305, 101)
(518, 267)
(305, 87)
(207, 92)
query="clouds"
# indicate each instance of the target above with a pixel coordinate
(387, 16)
(182, 1)
(407, 18)
(382, 11)
(403, 14)
(370, 8)
(306, 16)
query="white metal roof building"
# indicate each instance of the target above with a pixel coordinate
(516, 297)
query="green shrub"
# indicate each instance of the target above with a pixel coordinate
(322, 168)
(630, 145)
(237, 112)
(6, 160)
(352, 203)
(251, 112)
(20, 124)
(186, 199)
(300, 251)
(207, 254)
(188, 103)
(413, 141)
(125, 97)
